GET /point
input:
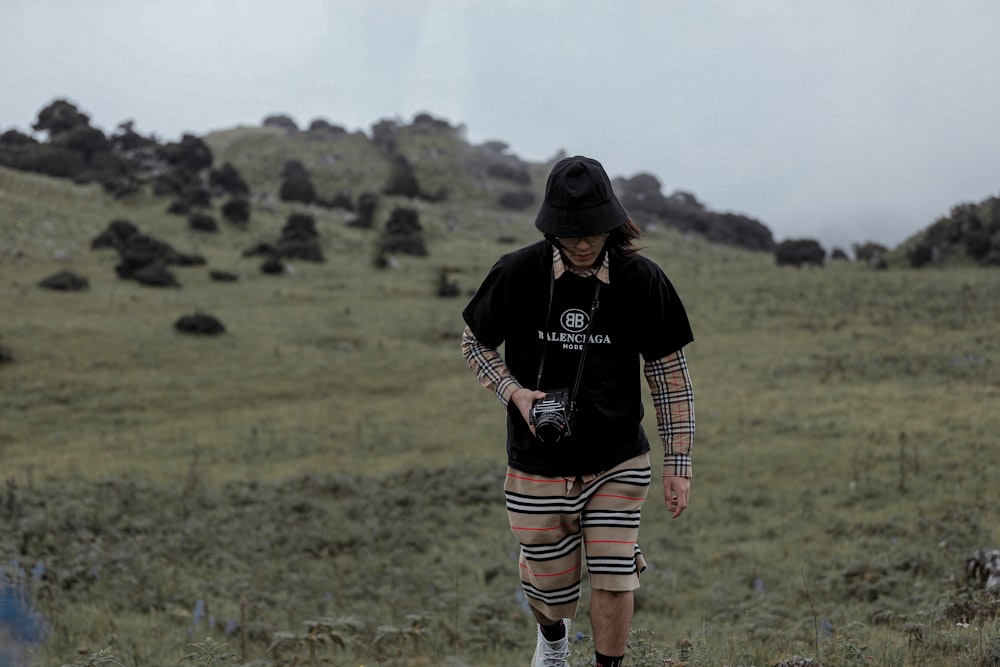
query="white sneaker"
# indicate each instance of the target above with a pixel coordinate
(552, 654)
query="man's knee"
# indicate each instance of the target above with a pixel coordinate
(611, 593)
(543, 619)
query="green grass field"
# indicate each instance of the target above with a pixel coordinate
(322, 483)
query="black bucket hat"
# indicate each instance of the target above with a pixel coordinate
(579, 200)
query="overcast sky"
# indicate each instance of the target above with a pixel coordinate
(841, 120)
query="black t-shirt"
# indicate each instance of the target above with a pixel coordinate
(639, 315)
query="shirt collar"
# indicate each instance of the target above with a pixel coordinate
(603, 272)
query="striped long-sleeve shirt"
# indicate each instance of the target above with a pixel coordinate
(668, 379)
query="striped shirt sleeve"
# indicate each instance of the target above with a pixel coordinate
(673, 400)
(489, 367)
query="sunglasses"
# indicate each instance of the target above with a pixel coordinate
(573, 241)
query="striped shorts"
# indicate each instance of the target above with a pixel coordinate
(557, 520)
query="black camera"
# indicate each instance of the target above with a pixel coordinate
(553, 416)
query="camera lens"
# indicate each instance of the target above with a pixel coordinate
(550, 429)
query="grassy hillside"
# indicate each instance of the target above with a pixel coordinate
(329, 469)
(440, 157)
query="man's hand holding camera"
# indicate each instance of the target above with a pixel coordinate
(525, 399)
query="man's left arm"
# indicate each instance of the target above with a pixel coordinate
(673, 400)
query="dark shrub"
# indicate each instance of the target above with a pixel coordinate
(144, 259)
(222, 276)
(402, 182)
(57, 162)
(797, 252)
(992, 258)
(297, 190)
(197, 194)
(991, 214)
(495, 146)
(644, 201)
(921, 254)
(446, 286)
(384, 135)
(425, 120)
(227, 179)
(65, 281)
(182, 259)
(168, 183)
(237, 211)
(403, 234)
(322, 126)
(518, 201)
(192, 194)
(155, 275)
(283, 121)
(127, 139)
(200, 324)
(978, 243)
(200, 222)
(84, 140)
(299, 239)
(341, 200)
(296, 186)
(117, 235)
(179, 207)
(510, 170)
(367, 203)
(299, 227)
(58, 117)
(110, 170)
(15, 138)
(641, 194)
(259, 250)
(272, 266)
(18, 151)
(738, 230)
(866, 251)
(191, 154)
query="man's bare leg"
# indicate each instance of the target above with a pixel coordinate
(611, 620)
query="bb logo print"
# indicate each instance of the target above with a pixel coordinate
(574, 320)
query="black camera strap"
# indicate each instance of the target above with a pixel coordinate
(586, 336)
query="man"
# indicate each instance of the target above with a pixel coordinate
(576, 312)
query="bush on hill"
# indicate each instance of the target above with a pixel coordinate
(296, 185)
(642, 197)
(429, 159)
(970, 232)
(796, 252)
